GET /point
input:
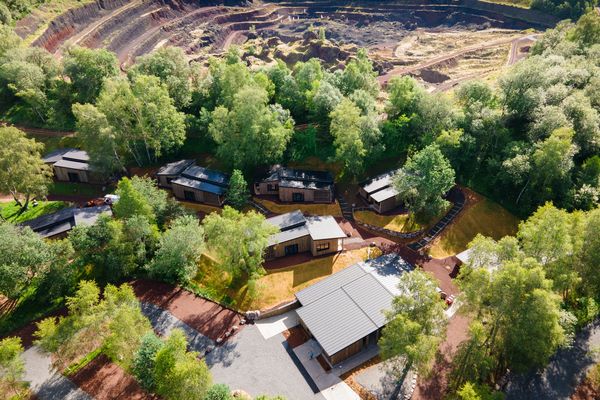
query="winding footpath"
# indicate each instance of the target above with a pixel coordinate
(564, 373)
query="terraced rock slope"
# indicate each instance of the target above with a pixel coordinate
(132, 28)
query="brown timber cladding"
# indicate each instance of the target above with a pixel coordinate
(199, 195)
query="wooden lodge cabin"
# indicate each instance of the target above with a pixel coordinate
(168, 173)
(190, 182)
(344, 313)
(297, 186)
(298, 234)
(58, 224)
(72, 165)
(379, 193)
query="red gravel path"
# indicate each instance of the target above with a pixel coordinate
(209, 318)
(105, 380)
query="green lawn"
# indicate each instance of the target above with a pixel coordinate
(398, 223)
(481, 215)
(10, 210)
(75, 189)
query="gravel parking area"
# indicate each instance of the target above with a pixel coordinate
(259, 366)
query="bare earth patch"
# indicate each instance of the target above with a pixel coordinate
(105, 380)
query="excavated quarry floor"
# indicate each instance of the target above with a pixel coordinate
(441, 45)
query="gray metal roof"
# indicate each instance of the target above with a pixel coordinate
(206, 175)
(199, 185)
(341, 325)
(288, 183)
(288, 220)
(324, 227)
(350, 304)
(299, 178)
(89, 215)
(379, 182)
(56, 155)
(329, 284)
(76, 165)
(384, 194)
(174, 168)
(289, 234)
(64, 220)
(76, 155)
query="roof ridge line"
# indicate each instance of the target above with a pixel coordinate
(356, 304)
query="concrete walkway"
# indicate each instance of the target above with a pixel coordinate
(566, 370)
(330, 385)
(47, 383)
(272, 326)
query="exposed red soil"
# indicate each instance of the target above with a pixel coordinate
(441, 269)
(207, 317)
(105, 380)
(585, 391)
(27, 331)
(295, 336)
(435, 386)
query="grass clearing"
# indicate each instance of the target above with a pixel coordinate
(75, 189)
(198, 207)
(313, 209)
(398, 223)
(275, 287)
(10, 211)
(481, 215)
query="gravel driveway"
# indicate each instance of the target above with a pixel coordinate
(259, 366)
(566, 370)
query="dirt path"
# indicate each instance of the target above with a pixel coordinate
(399, 71)
(39, 131)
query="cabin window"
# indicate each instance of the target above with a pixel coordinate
(323, 246)
(189, 196)
(272, 187)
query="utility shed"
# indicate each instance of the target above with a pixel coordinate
(297, 185)
(72, 165)
(58, 224)
(380, 193)
(345, 312)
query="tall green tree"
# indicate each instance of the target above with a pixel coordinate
(237, 193)
(179, 251)
(23, 173)
(170, 65)
(251, 132)
(239, 241)
(415, 326)
(144, 360)
(423, 180)
(180, 374)
(131, 202)
(26, 259)
(12, 369)
(523, 320)
(131, 121)
(87, 69)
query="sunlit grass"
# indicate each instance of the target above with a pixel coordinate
(313, 209)
(482, 216)
(10, 211)
(398, 223)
